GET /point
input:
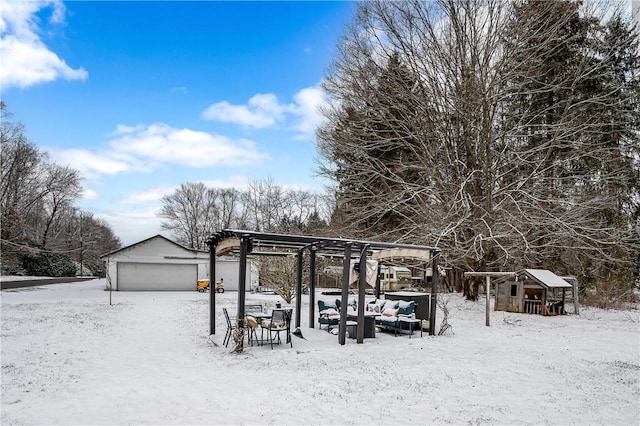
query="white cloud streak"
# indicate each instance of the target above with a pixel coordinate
(266, 111)
(151, 195)
(144, 148)
(26, 60)
(133, 225)
(262, 110)
(160, 143)
(308, 102)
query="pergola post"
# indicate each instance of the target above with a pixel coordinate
(346, 269)
(434, 295)
(362, 282)
(299, 288)
(212, 287)
(487, 290)
(242, 279)
(312, 287)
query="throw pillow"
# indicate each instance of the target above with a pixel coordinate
(373, 308)
(390, 313)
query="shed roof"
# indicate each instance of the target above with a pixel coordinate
(545, 277)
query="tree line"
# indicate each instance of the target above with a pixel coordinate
(194, 211)
(505, 133)
(42, 231)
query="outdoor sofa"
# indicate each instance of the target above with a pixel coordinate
(394, 314)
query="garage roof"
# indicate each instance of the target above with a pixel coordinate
(111, 253)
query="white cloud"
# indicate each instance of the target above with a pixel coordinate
(308, 102)
(151, 195)
(144, 148)
(160, 143)
(91, 164)
(26, 60)
(133, 225)
(262, 110)
(265, 110)
(89, 194)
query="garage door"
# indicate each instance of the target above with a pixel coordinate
(156, 276)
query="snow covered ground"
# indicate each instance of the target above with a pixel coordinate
(68, 357)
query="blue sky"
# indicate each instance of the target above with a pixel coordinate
(143, 96)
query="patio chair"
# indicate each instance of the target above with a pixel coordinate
(327, 314)
(252, 325)
(280, 321)
(230, 327)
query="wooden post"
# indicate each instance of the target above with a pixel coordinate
(242, 279)
(346, 270)
(212, 288)
(434, 294)
(362, 283)
(299, 288)
(312, 288)
(487, 290)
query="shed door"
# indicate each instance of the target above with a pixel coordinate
(157, 276)
(514, 297)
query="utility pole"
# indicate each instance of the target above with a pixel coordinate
(81, 245)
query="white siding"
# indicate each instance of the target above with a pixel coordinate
(230, 271)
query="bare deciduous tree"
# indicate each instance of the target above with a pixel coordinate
(188, 213)
(37, 198)
(474, 125)
(62, 188)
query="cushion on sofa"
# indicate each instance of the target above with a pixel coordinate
(323, 306)
(390, 304)
(406, 308)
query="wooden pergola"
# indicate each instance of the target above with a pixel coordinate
(246, 243)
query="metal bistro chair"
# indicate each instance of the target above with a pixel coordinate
(230, 327)
(253, 309)
(252, 325)
(280, 321)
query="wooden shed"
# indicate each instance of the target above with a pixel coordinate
(532, 291)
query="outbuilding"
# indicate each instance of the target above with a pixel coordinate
(160, 264)
(532, 291)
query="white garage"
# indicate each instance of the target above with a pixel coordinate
(159, 264)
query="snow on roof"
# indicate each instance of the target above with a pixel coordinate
(547, 278)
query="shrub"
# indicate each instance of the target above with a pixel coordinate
(10, 262)
(48, 264)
